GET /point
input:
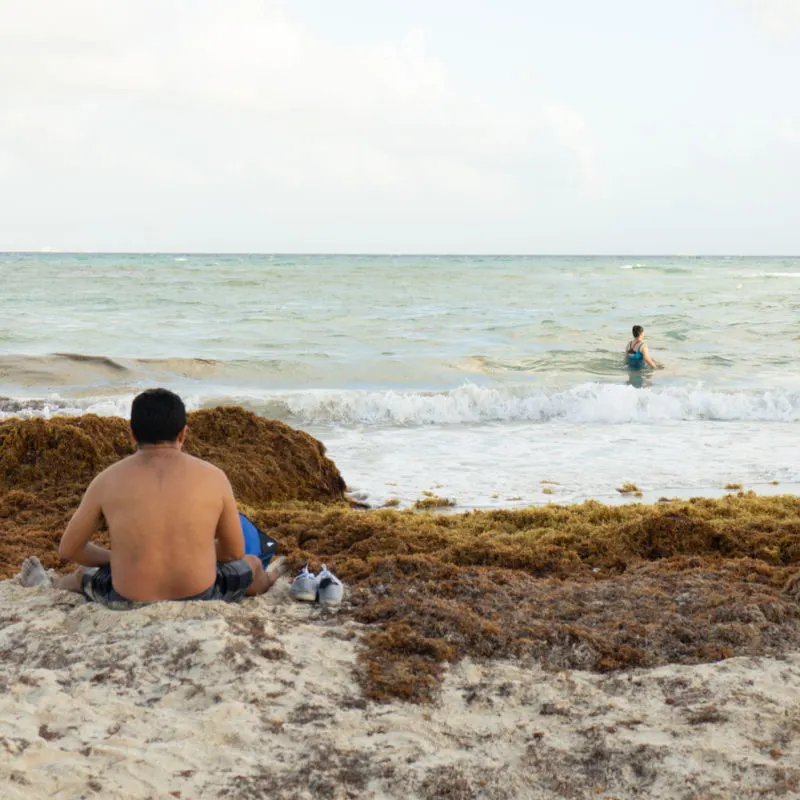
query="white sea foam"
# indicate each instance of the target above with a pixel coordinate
(591, 402)
(595, 403)
(492, 447)
(57, 406)
(504, 465)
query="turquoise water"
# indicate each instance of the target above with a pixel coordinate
(492, 370)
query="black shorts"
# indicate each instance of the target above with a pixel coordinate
(233, 580)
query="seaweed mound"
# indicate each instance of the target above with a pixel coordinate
(581, 587)
(45, 466)
(266, 461)
(61, 455)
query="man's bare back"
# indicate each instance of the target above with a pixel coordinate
(164, 510)
(172, 519)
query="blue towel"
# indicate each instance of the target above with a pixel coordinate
(256, 542)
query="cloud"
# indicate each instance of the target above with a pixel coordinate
(789, 129)
(571, 129)
(178, 95)
(779, 18)
(249, 56)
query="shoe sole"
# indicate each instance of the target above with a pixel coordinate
(307, 596)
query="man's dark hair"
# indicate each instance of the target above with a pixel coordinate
(637, 331)
(157, 415)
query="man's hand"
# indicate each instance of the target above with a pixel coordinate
(93, 555)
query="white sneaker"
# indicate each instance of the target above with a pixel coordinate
(329, 587)
(304, 585)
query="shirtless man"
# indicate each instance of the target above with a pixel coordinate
(174, 529)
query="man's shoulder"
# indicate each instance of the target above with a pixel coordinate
(205, 466)
(118, 466)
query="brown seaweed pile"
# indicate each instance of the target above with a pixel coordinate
(266, 461)
(591, 586)
(588, 587)
(45, 466)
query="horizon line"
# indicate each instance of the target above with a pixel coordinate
(385, 254)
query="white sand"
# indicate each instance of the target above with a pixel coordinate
(260, 700)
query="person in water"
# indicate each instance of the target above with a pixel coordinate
(636, 354)
(172, 521)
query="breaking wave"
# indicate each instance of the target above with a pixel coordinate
(589, 403)
(592, 403)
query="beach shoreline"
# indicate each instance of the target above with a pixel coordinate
(421, 370)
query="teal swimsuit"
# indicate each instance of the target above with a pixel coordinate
(634, 355)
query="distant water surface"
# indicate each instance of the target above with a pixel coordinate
(473, 376)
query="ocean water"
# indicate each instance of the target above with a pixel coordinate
(473, 377)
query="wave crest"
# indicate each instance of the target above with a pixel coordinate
(590, 403)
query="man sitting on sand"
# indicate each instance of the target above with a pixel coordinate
(174, 529)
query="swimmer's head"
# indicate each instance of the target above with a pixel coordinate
(638, 330)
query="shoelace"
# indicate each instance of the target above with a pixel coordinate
(304, 572)
(325, 578)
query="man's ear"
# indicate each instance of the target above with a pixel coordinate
(182, 436)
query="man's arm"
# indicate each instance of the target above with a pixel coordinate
(230, 539)
(75, 545)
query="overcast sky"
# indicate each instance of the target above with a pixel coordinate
(455, 126)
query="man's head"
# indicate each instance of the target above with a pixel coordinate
(158, 416)
(638, 330)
